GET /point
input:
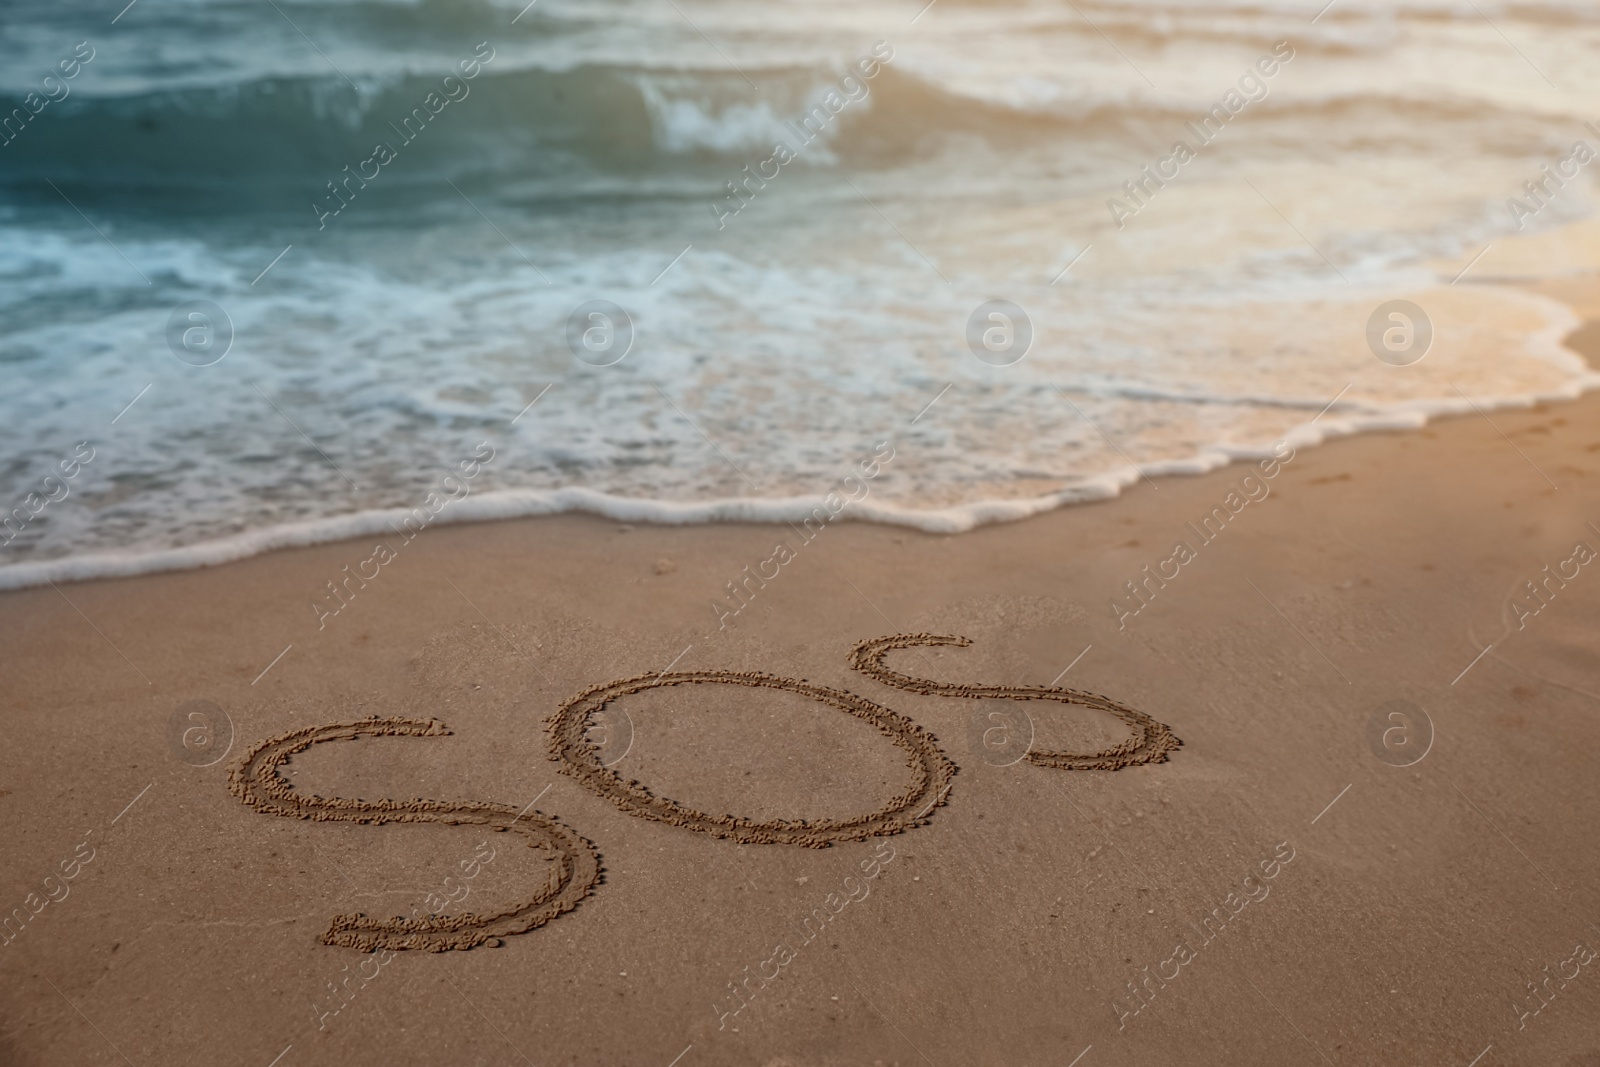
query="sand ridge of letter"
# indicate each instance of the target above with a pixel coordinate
(931, 770)
(255, 780)
(1150, 742)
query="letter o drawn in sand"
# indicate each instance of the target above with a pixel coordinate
(255, 780)
(931, 771)
(1150, 743)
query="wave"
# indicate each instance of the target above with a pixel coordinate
(256, 134)
(279, 140)
(506, 504)
(518, 123)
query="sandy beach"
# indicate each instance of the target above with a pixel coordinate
(1044, 534)
(1307, 879)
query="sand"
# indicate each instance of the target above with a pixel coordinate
(1372, 846)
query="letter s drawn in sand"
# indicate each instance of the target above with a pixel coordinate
(1150, 742)
(255, 780)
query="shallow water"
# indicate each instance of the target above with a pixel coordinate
(418, 310)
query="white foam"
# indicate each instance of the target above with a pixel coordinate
(524, 503)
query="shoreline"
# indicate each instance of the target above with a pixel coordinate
(1583, 339)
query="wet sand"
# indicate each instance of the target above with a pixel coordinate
(1274, 891)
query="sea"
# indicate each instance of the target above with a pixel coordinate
(280, 267)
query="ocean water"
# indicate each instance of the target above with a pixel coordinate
(393, 252)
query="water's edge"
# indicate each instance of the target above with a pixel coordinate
(529, 503)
